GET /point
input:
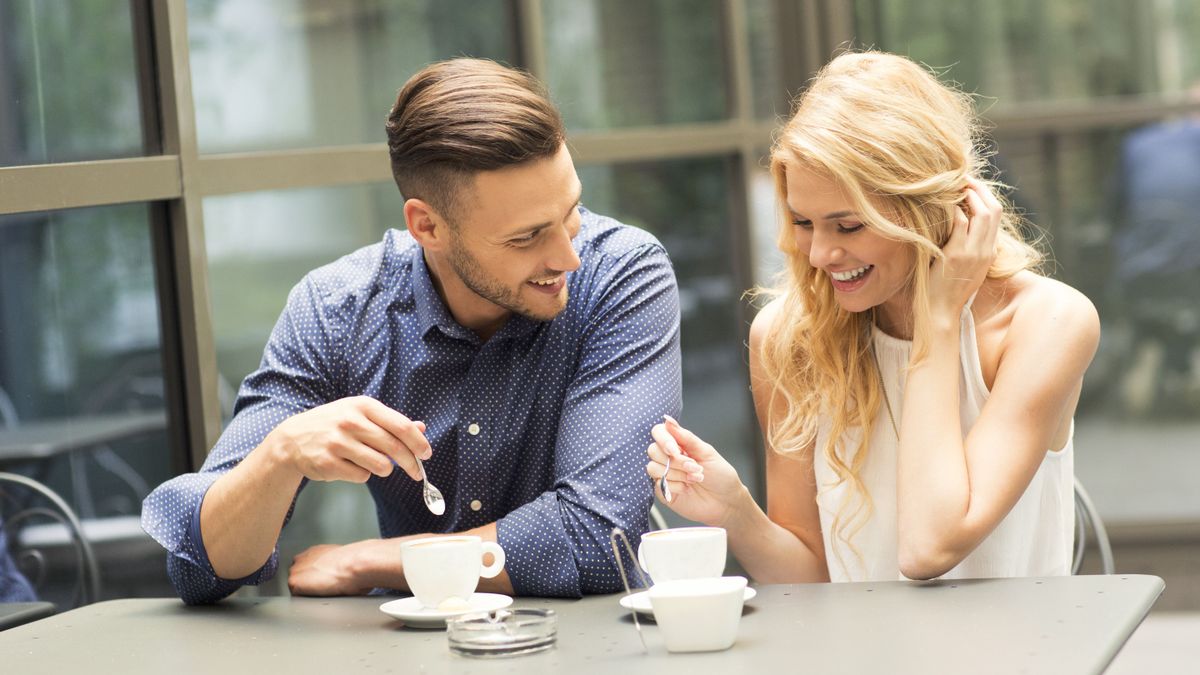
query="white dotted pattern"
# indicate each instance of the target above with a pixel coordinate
(14, 587)
(563, 408)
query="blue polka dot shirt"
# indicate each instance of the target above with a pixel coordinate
(542, 429)
(14, 587)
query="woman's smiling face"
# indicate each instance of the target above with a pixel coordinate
(864, 268)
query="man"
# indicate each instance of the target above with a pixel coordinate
(1156, 259)
(520, 345)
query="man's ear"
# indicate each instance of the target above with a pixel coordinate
(425, 225)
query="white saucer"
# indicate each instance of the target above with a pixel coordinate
(410, 611)
(640, 601)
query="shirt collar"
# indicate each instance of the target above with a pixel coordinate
(431, 310)
(433, 313)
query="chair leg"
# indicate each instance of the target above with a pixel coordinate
(1091, 520)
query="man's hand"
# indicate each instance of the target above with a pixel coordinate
(350, 439)
(352, 569)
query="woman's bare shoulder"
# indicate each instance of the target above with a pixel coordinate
(1041, 308)
(764, 320)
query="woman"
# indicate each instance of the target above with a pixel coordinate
(915, 379)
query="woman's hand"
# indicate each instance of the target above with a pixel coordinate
(704, 487)
(968, 253)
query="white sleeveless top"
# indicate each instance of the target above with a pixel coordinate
(1034, 539)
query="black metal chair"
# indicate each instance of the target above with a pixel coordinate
(1088, 518)
(28, 507)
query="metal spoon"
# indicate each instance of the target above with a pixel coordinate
(662, 482)
(433, 496)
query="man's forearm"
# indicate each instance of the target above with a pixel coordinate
(243, 512)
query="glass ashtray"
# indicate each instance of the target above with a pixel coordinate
(504, 632)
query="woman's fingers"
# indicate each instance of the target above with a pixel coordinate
(655, 471)
(977, 209)
(985, 191)
(668, 446)
(695, 446)
(677, 488)
(665, 441)
(982, 201)
(980, 239)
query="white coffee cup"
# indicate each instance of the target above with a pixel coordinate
(698, 615)
(443, 571)
(683, 553)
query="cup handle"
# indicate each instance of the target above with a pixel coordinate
(641, 559)
(489, 571)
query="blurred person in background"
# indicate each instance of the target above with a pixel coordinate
(14, 587)
(1157, 264)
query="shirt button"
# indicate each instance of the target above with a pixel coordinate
(473, 429)
(476, 505)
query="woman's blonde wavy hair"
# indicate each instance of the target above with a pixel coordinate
(901, 144)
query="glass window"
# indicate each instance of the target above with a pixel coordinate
(259, 246)
(1115, 202)
(766, 77)
(765, 222)
(296, 73)
(686, 204)
(1029, 50)
(68, 82)
(1121, 207)
(81, 383)
(628, 63)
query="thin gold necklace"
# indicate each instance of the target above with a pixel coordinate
(883, 387)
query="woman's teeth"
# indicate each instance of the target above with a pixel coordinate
(850, 275)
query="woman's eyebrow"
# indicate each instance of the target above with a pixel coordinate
(828, 216)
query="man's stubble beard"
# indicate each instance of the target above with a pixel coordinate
(488, 288)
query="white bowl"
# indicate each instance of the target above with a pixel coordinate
(698, 615)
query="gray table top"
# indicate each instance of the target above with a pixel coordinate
(39, 439)
(1057, 625)
(18, 613)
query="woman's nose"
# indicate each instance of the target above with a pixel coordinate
(824, 251)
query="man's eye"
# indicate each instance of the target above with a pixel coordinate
(527, 239)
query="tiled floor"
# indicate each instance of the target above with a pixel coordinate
(1147, 473)
(1166, 642)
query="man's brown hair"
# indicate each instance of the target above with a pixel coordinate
(458, 117)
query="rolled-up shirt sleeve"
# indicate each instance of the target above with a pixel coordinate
(296, 374)
(628, 377)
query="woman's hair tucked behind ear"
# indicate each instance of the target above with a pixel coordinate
(902, 145)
